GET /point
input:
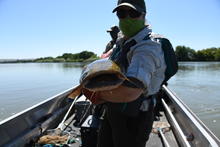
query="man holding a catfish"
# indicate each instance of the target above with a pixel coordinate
(129, 115)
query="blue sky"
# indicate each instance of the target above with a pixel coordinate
(40, 28)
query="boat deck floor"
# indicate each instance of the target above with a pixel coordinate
(155, 140)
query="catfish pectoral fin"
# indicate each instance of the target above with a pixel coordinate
(75, 92)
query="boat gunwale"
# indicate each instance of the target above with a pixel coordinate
(210, 136)
(66, 92)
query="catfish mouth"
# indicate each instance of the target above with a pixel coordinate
(104, 82)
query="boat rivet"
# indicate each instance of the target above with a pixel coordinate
(190, 137)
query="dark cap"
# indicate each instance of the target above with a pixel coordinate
(113, 29)
(138, 5)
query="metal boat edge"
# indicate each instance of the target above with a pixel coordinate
(31, 122)
(195, 131)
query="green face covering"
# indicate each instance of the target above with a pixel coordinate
(131, 27)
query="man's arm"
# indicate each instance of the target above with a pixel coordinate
(106, 55)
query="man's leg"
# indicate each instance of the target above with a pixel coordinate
(120, 135)
(105, 134)
(119, 130)
(131, 131)
(140, 127)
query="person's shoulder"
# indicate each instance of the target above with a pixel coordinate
(149, 46)
(155, 37)
(150, 42)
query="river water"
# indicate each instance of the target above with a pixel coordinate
(25, 84)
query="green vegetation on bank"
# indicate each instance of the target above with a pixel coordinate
(84, 56)
(187, 54)
(183, 53)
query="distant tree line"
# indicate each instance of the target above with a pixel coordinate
(184, 53)
(16, 60)
(83, 56)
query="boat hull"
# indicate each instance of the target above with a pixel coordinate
(25, 127)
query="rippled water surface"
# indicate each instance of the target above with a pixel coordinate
(198, 85)
(23, 85)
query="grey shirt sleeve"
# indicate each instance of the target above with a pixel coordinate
(143, 62)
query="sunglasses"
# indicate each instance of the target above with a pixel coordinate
(121, 13)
